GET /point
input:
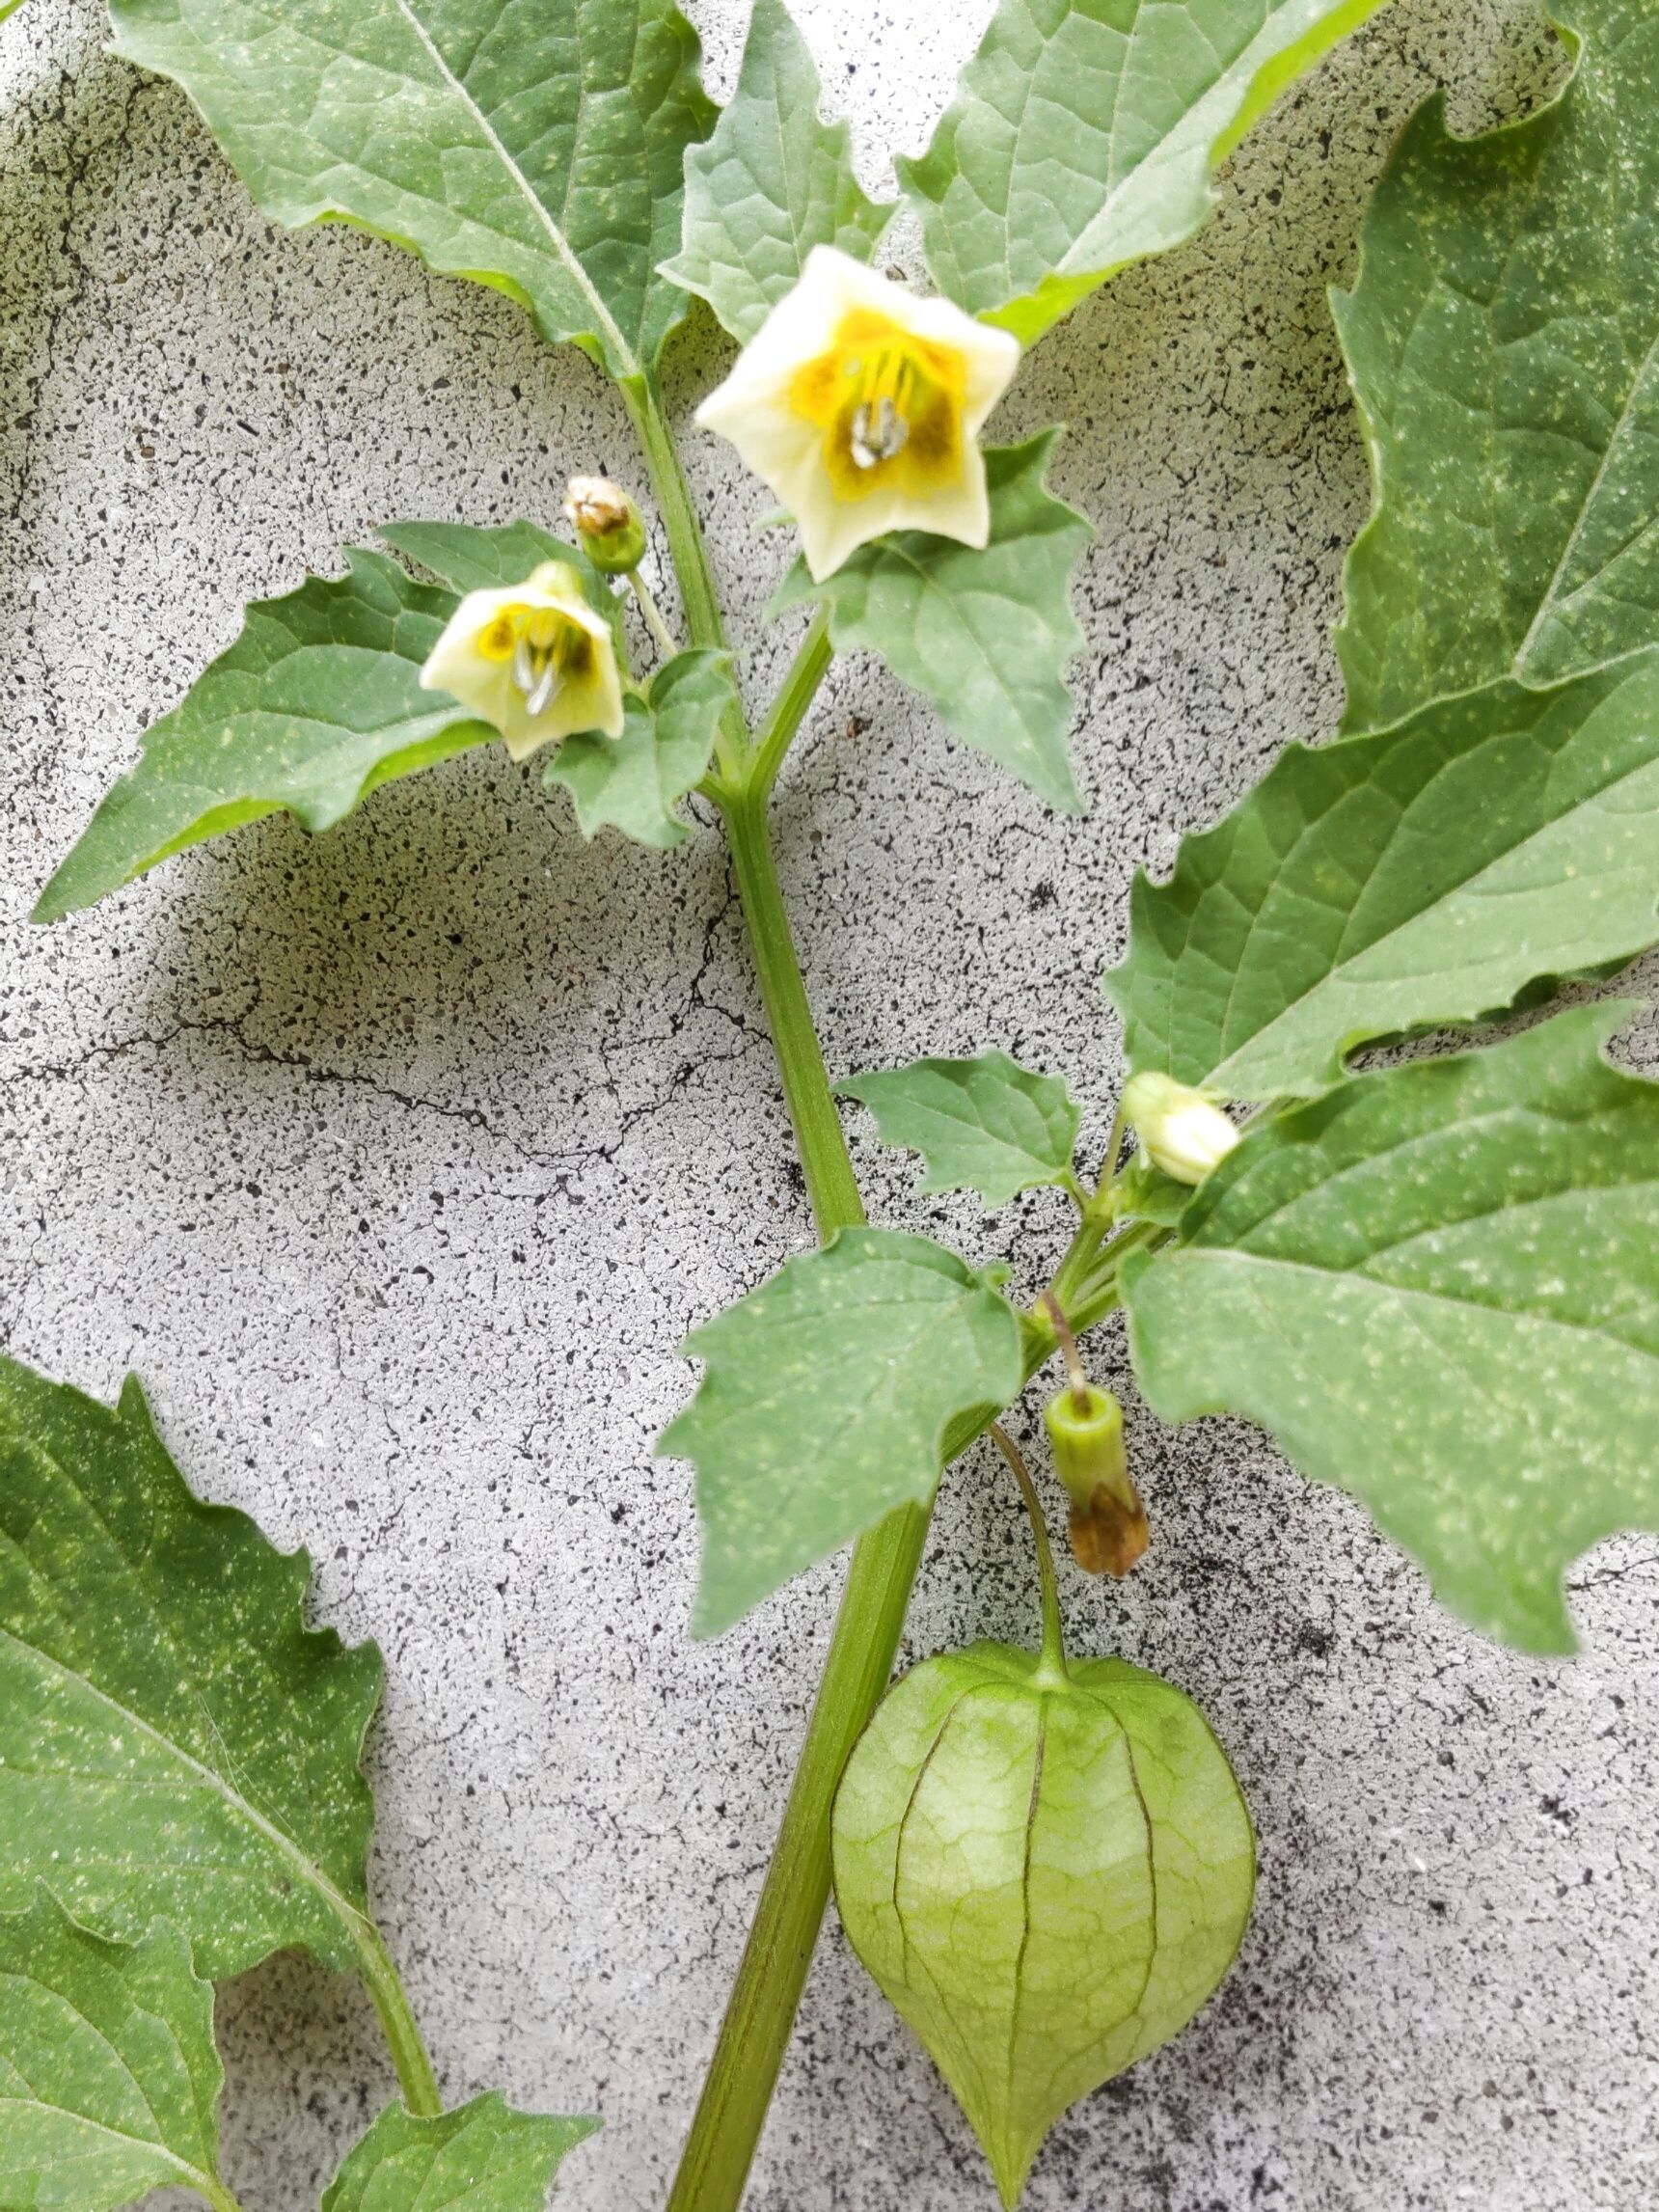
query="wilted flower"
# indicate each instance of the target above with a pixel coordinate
(536, 660)
(860, 405)
(1181, 1130)
(609, 525)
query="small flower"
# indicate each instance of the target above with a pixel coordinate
(536, 660)
(1179, 1130)
(607, 523)
(860, 405)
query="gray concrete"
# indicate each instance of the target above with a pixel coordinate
(397, 1162)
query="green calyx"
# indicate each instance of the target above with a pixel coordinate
(1085, 1427)
(1046, 1879)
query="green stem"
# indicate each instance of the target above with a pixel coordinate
(788, 710)
(398, 2022)
(1053, 1660)
(662, 635)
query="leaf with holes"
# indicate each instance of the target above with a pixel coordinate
(773, 182)
(826, 1399)
(172, 1739)
(1387, 883)
(536, 146)
(986, 1124)
(1047, 1874)
(1439, 1289)
(109, 2079)
(633, 781)
(985, 636)
(1503, 340)
(483, 2157)
(1086, 135)
(316, 704)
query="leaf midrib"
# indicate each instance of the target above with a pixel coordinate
(192, 2176)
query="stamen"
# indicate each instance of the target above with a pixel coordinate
(546, 689)
(523, 667)
(878, 438)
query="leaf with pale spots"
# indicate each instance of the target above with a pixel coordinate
(986, 636)
(1086, 134)
(535, 146)
(632, 783)
(316, 704)
(483, 2157)
(773, 182)
(1392, 883)
(826, 1399)
(1439, 1288)
(109, 2079)
(1502, 342)
(172, 1740)
(986, 1124)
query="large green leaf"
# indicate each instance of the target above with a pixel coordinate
(483, 2157)
(484, 557)
(773, 182)
(985, 636)
(1086, 135)
(1503, 339)
(1047, 1876)
(824, 1401)
(1386, 883)
(986, 1124)
(172, 1739)
(316, 703)
(535, 145)
(1439, 1288)
(633, 781)
(109, 2080)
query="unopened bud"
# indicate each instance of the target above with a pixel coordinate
(1108, 1525)
(609, 525)
(1181, 1130)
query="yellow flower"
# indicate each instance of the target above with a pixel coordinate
(536, 660)
(862, 405)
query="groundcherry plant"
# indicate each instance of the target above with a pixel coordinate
(1434, 1281)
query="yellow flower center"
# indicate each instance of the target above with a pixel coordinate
(888, 404)
(545, 648)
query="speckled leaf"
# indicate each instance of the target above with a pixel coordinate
(172, 1739)
(1503, 339)
(1390, 883)
(633, 781)
(316, 704)
(1046, 1879)
(773, 182)
(1086, 134)
(1439, 1288)
(109, 2079)
(986, 1124)
(825, 1401)
(985, 636)
(536, 146)
(484, 2157)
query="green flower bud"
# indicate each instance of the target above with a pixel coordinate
(1048, 1875)
(1109, 1526)
(609, 525)
(1181, 1130)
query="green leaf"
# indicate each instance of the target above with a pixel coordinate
(316, 704)
(472, 557)
(1386, 884)
(109, 2079)
(1047, 1878)
(484, 2157)
(172, 1739)
(987, 1124)
(1503, 340)
(985, 636)
(1086, 134)
(633, 781)
(773, 182)
(536, 146)
(827, 1394)
(1439, 1289)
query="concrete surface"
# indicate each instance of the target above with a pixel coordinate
(397, 1162)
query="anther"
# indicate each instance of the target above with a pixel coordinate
(878, 437)
(546, 689)
(523, 667)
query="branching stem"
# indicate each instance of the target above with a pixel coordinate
(1053, 1663)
